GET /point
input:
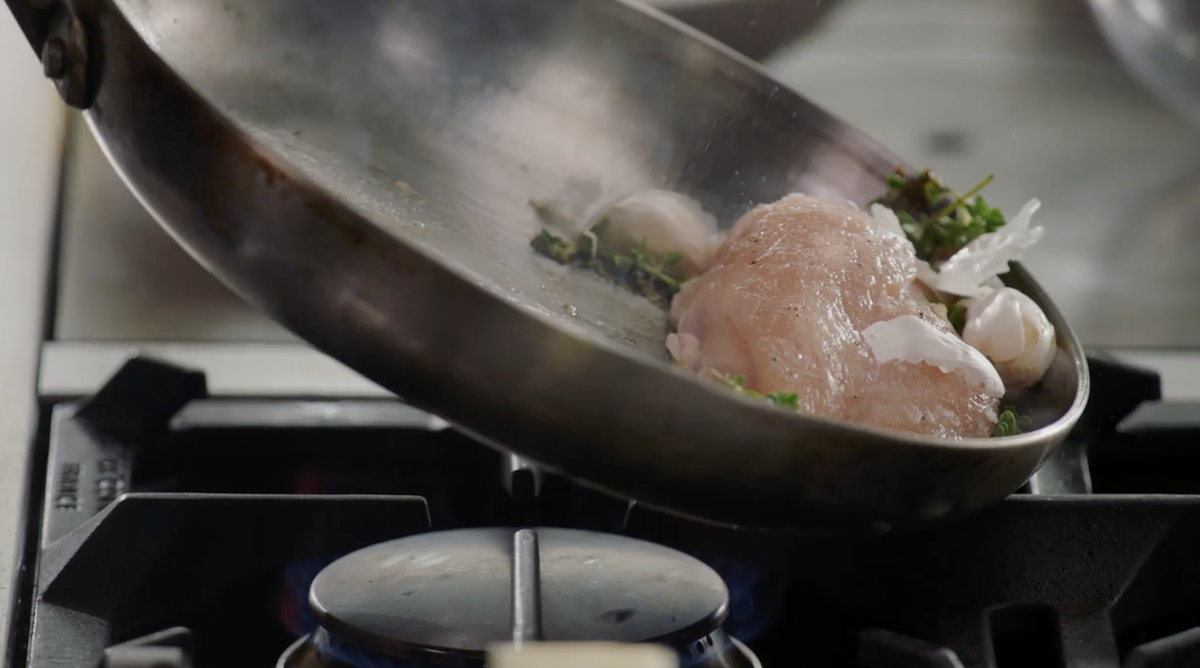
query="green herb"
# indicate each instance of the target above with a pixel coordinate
(781, 399)
(938, 221)
(599, 228)
(656, 278)
(556, 248)
(956, 313)
(1009, 423)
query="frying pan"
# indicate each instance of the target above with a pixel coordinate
(362, 170)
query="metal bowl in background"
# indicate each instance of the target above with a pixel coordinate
(1159, 41)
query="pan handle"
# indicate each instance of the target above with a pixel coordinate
(57, 36)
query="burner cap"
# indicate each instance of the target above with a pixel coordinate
(451, 592)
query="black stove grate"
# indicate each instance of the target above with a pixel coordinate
(232, 498)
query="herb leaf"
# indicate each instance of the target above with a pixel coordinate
(1009, 423)
(781, 399)
(655, 278)
(556, 248)
(957, 314)
(938, 221)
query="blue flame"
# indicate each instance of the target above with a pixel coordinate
(756, 595)
(757, 586)
(296, 614)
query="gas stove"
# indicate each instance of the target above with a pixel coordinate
(239, 521)
(181, 529)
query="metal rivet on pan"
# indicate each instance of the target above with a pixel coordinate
(54, 58)
(65, 59)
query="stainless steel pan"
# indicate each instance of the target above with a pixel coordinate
(361, 171)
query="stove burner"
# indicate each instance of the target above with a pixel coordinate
(453, 594)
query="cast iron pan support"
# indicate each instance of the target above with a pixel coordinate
(1117, 389)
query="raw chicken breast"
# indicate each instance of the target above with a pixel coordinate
(785, 304)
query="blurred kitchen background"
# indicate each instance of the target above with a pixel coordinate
(1027, 90)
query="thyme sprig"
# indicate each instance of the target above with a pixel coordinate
(655, 277)
(938, 221)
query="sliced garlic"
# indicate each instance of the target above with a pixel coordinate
(908, 338)
(968, 272)
(1012, 331)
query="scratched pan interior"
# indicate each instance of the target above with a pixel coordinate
(423, 129)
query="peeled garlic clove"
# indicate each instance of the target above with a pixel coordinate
(1011, 330)
(665, 221)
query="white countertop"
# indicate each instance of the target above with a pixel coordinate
(31, 128)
